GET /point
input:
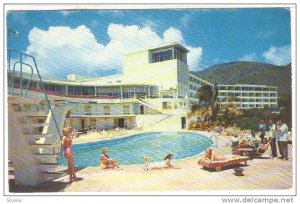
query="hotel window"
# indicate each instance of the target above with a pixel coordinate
(178, 55)
(164, 105)
(106, 110)
(162, 56)
(126, 109)
(87, 109)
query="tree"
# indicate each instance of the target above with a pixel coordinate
(208, 104)
(285, 103)
(229, 114)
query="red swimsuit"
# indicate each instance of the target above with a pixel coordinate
(68, 148)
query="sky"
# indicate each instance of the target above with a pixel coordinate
(92, 42)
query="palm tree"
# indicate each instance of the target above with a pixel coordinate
(228, 115)
(208, 104)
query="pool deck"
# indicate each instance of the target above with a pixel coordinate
(259, 174)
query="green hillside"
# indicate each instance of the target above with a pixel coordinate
(249, 73)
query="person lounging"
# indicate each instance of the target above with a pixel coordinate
(263, 146)
(107, 162)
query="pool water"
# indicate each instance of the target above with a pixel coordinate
(128, 150)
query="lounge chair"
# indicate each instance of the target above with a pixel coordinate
(212, 162)
(218, 165)
(251, 151)
(247, 151)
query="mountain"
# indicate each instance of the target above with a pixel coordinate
(249, 73)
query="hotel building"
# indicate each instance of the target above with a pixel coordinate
(155, 83)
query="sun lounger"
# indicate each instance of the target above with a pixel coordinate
(218, 165)
(247, 152)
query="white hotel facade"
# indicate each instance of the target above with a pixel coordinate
(155, 85)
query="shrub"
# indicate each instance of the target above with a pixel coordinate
(248, 123)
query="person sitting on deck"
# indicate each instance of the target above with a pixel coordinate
(234, 141)
(244, 143)
(253, 140)
(263, 146)
(107, 162)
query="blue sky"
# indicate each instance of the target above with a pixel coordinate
(92, 42)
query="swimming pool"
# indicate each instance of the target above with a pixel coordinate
(128, 150)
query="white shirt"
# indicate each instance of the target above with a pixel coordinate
(283, 133)
(272, 131)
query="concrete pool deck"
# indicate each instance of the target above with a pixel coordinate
(259, 174)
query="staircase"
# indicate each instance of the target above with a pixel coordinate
(169, 123)
(32, 154)
(152, 106)
(33, 135)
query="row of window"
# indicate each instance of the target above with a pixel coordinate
(106, 109)
(232, 88)
(167, 55)
(249, 94)
(252, 105)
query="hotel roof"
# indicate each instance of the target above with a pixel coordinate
(162, 47)
(175, 44)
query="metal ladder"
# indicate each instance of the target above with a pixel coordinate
(21, 57)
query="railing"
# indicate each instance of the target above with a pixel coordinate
(22, 56)
(21, 78)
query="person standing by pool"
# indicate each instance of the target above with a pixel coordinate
(146, 162)
(272, 133)
(67, 144)
(107, 162)
(262, 128)
(282, 138)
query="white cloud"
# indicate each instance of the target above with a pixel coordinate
(249, 57)
(61, 50)
(172, 35)
(194, 57)
(278, 55)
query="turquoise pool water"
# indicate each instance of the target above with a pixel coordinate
(128, 150)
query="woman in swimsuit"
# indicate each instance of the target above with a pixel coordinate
(263, 147)
(209, 154)
(107, 162)
(67, 144)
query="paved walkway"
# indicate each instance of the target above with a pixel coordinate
(259, 174)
